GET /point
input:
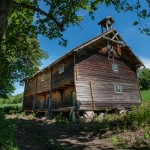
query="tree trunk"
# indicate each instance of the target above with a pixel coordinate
(4, 9)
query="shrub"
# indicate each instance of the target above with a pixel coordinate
(12, 99)
(137, 118)
(144, 78)
(11, 108)
(17, 99)
(61, 119)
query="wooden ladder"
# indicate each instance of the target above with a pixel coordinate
(92, 96)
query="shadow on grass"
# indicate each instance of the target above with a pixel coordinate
(37, 134)
(33, 134)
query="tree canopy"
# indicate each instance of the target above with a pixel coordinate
(20, 52)
(52, 17)
(22, 20)
(144, 78)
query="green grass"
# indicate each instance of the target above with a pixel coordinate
(145, 95)
(7, 127)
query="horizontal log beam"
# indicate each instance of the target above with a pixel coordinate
(114, 41)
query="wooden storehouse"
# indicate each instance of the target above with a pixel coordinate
(96, 75)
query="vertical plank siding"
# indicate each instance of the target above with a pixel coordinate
(94, 68)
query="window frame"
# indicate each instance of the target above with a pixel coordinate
(30, 82)
(120, 88)
(60, 67)
(43, 77)
(114, 65)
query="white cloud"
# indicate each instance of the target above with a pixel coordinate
(146, 61)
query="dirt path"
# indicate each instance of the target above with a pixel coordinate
(43, 134)
(37, 134)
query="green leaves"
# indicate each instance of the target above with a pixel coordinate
(20, 54)
(135, 23)
(144, 78)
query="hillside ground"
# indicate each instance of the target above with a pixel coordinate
(34, 132)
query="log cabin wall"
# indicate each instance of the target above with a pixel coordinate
(38, 91)
(29, 93)
(42, 101)
(62, 87)
(43, 90)
(28, 102)
(62, 83)
(68, 101)
(56, 100)
(96, 82)
(65, 78)
(43, 81)
(30, 86)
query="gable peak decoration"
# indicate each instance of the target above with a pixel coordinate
(106, 23)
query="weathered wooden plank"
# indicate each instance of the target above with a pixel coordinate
(95, 67)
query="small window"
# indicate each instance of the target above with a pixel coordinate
(43, 77)
(61, 68)
(118, 88)
(30, 82)
(115, 67)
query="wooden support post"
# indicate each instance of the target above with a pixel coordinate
(75, 68)
(92, 96)
(24, 95)
(62, 97)
(50, 98)
(102, 29)
(76, 71)
(75, 79)
(106, 26)
(35, 93)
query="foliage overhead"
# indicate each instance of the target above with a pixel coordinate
(20, 52)
(144, 78)
(53, 17)
(57, 15)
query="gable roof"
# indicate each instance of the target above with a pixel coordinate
(114, 37)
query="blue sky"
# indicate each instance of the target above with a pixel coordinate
(88, 29)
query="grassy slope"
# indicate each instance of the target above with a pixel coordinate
(145, 95)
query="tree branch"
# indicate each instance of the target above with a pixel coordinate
(60, 25)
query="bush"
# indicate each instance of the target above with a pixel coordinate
(12, 99)
(144, 78)
(138, 117)
(11, 108)
(61, 119)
